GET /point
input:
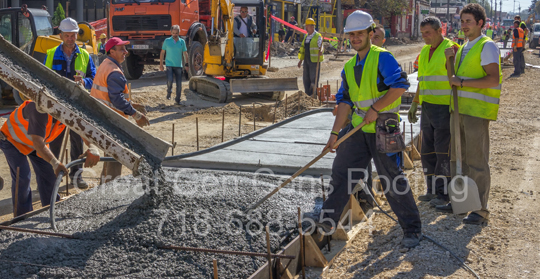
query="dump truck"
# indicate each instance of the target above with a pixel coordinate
(207, 28)
(31, 30)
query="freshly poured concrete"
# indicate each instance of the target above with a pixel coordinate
(284, 149)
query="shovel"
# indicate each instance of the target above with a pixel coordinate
(463, 191)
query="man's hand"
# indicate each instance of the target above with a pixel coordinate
(141, 119)
(334, 111)
(515, 49)
(331, 142)
(79, 79)
(58, 166)
(242, 36)
(455, 81)
(140, 108)
(371, 116)
(300, 64)
(449, 52)
(161, 68)
(412, 112)
(92, 156)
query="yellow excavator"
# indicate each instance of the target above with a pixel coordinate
(31, 31)
(234, 64)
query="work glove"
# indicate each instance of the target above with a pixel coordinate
(92, 156)
(412, 112)
(141, 119)
(140, 108)
(58, 166)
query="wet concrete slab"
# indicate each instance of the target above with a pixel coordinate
(283, 149)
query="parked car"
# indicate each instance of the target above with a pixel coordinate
(535, 35)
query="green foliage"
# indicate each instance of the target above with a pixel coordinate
(59, 15)
(386, 8)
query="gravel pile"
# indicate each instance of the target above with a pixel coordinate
(120, 229)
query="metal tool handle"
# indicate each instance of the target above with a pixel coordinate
(457, 130)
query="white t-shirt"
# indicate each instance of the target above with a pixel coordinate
(490, 53)
(243, 27)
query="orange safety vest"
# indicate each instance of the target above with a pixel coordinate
(519, 40)
(16, 130)
(100, 89)
(415, 65)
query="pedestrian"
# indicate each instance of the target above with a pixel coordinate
(110, 87)
(290, 30)
(478, 79)
(74, 63)
(26, 135)
(433, 94)
(281, 33)
(101, 44)
(172, 51)
(518, 45)
(372, 86)
(311, 54)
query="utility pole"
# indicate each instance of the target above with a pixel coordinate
(491, 10)
(447, 15)
(500, 13)
(519, 10)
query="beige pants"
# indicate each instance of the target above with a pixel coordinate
(111, 170)
(474, 153)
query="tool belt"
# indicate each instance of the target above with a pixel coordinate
(388, 134)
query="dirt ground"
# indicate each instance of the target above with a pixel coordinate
(507, 247)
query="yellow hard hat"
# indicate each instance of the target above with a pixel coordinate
(310, 21)
(103, 36)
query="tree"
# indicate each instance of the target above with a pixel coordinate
(384, 8)
(537, 8)
(59, 15)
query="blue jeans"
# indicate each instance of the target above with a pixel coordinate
(177, 72)
(44, 176)
(354, 154)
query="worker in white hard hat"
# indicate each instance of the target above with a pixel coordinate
(310, 55)
(72, 62)
(372, 85)
(102, 42)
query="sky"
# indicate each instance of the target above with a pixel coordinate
(508, 5)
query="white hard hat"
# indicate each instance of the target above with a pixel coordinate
(68, 25)
(358, 20)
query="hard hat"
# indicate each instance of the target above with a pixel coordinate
(103, 36)
(310, 21)
(68, 25)
(292, 17)
(358, 20)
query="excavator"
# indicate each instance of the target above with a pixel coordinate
(237, 64)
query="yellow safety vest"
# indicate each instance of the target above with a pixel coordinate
(433, 84)
(334, 43)
(477, 102)
(489, 33)
(81, 62)
(461, 35)
(367, 93)
(313, 49)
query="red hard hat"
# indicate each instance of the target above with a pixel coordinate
(292, 17)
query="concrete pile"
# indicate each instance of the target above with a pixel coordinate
(120, 228)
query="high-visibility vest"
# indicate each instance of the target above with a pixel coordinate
(461, 35)
(100, 89)
(81, 60)
(433, 85)
(525, 25)
(367, 93)
(518, 42)
(16, 130)
(489, 33)
(477, 102)
(334, 43)
(415, 65)
(313, 49)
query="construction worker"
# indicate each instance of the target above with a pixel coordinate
(433, 93)
(335, 42)
(101, 44)
(518, 45)
(415, 64)
(461, 37)
(281, 33)
(478, 79)
(110, 87)
(372, 84)
(523, 26)
(290, 31)
(244, 29)
(72, 62)
(25, 135)
(311, 54)
(489, 32)
(378, 38)
(504, 37)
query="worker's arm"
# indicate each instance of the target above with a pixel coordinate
(45, 153)
(161, 57)
(489, 54)
(184, 52)
(116, 83)
(91, 154)
(90, 74)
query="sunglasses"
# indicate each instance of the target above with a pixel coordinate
(244, 12)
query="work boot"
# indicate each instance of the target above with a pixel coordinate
(447, 208)
(514, 75)
(475, 219)
(411, 240)
(437, 201)
(427, 197)
(79, 182)
(325, 228)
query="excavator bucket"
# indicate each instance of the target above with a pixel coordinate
(261, 85)
(72, 105)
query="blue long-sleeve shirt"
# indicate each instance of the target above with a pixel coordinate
(69, 73)
(389, 70)
(116, 83)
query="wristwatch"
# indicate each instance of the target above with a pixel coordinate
(461, 83)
